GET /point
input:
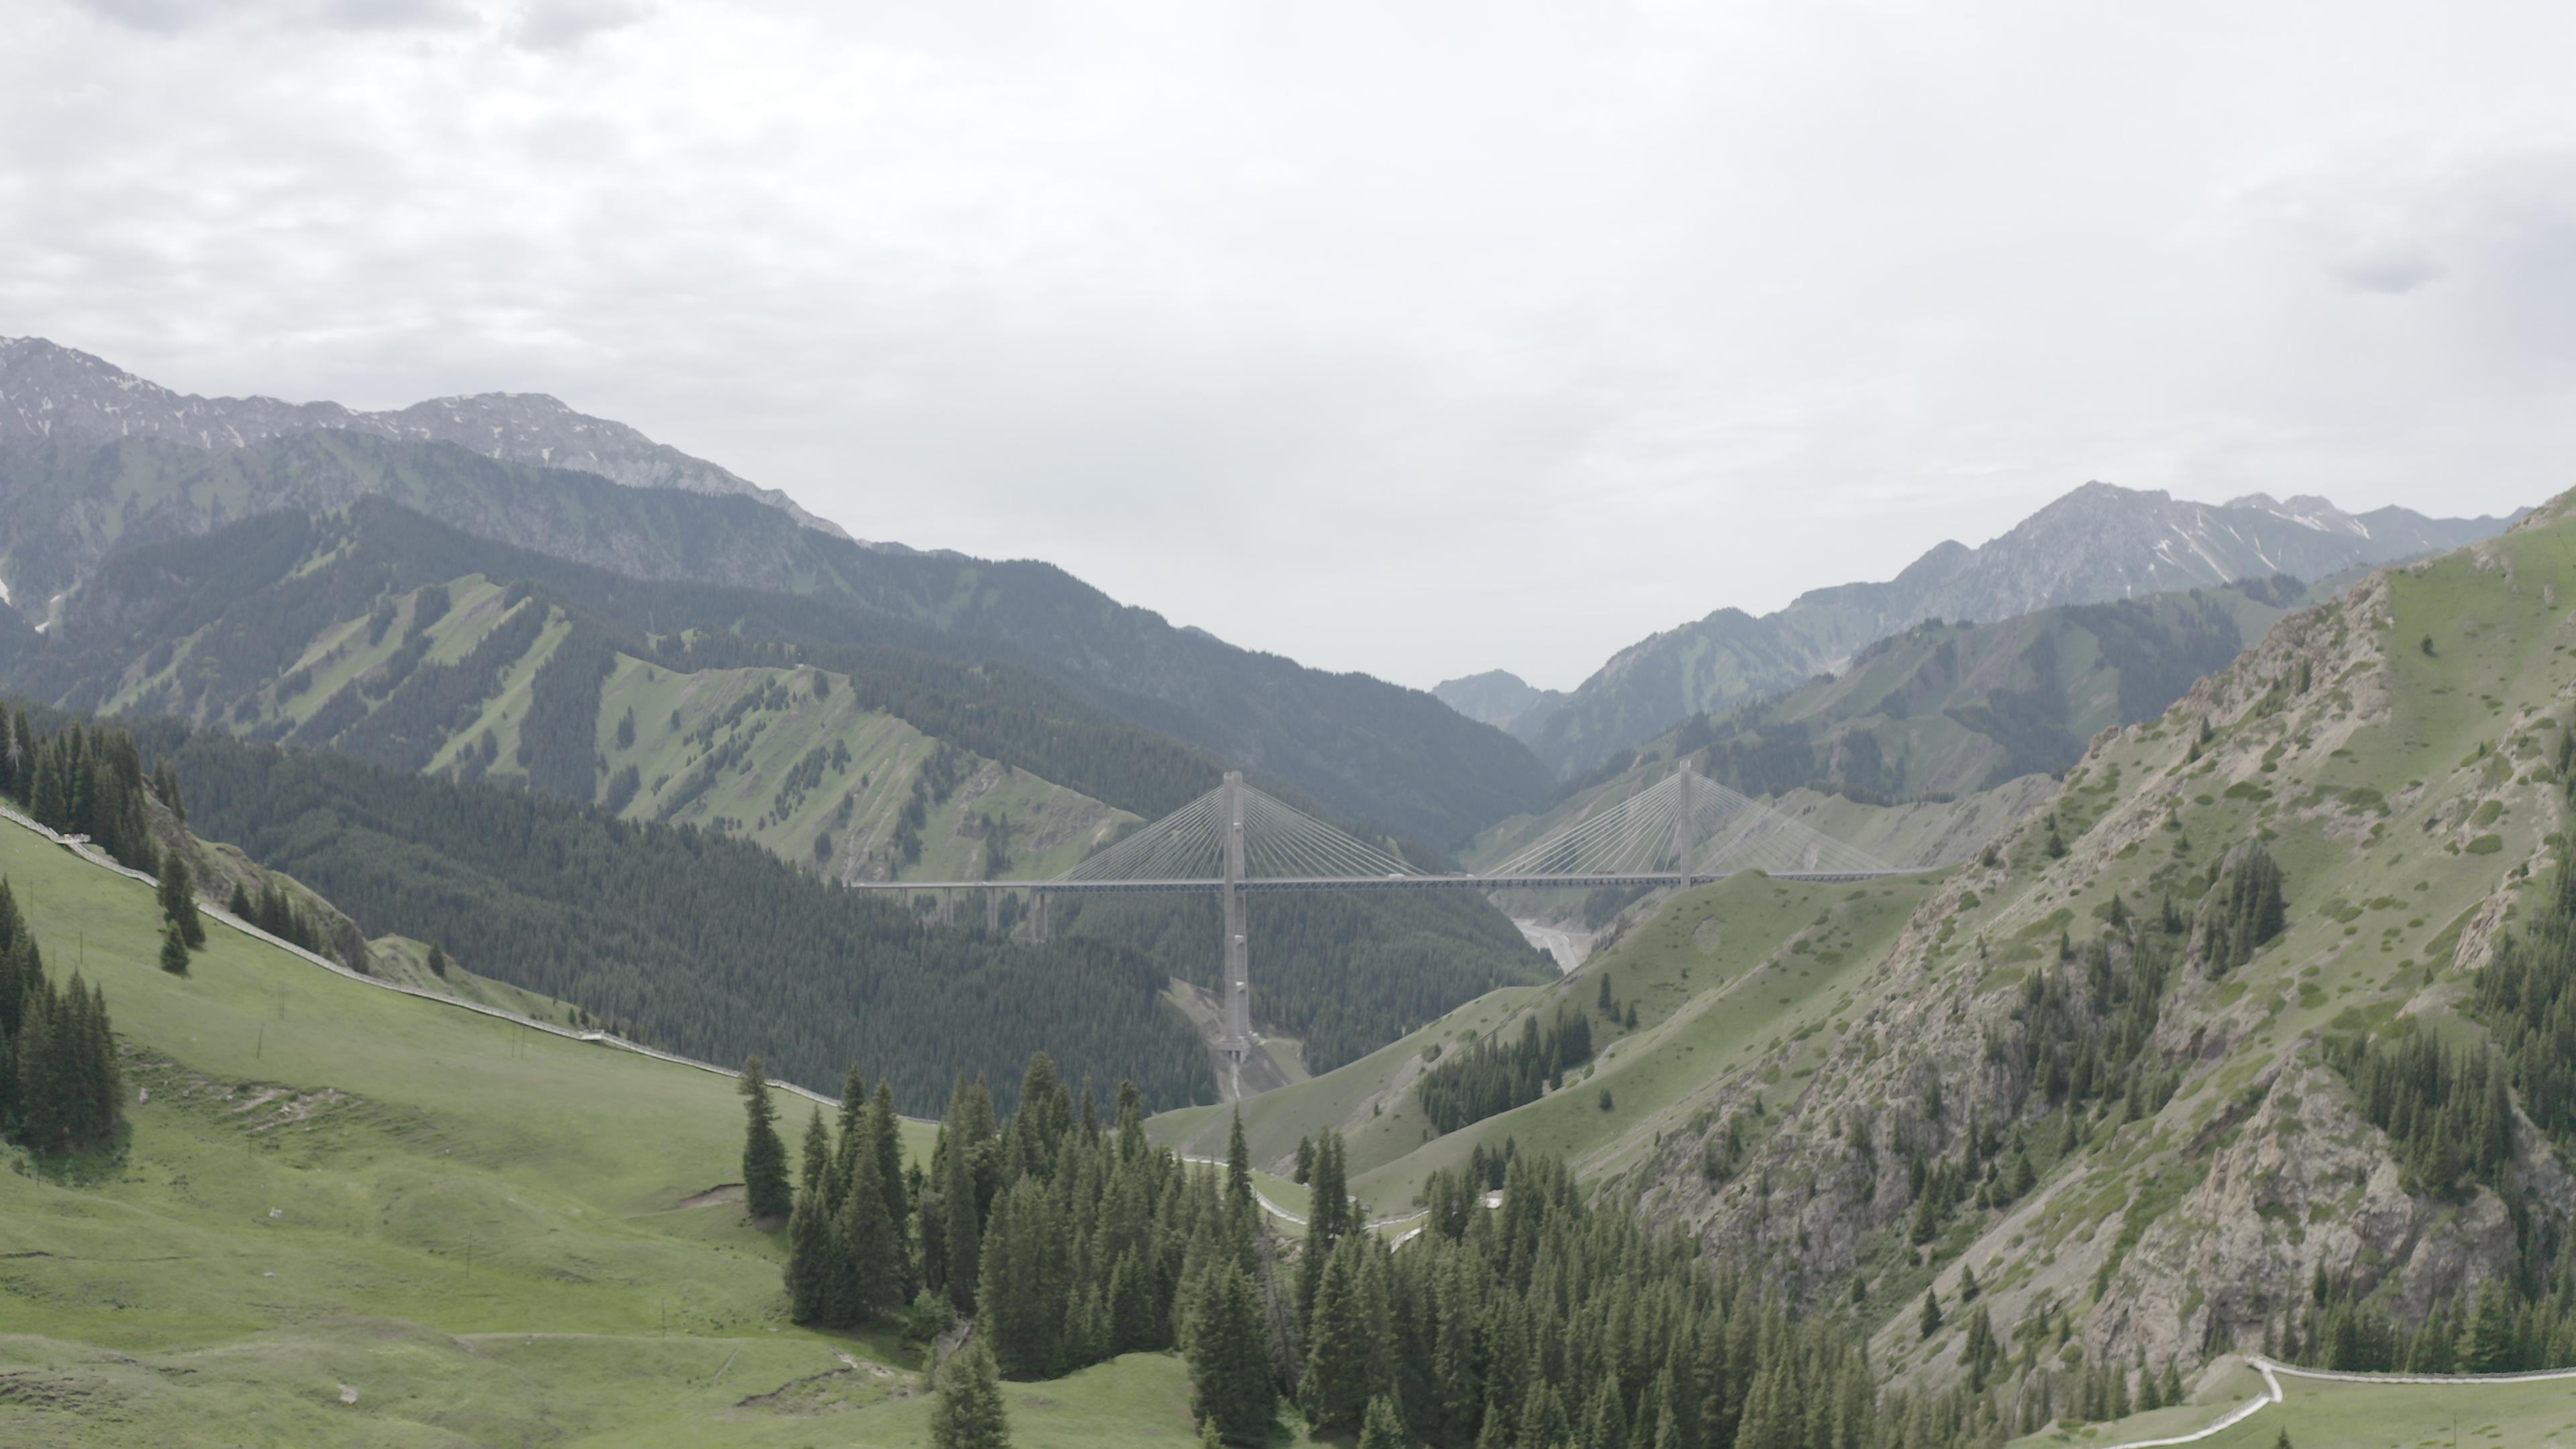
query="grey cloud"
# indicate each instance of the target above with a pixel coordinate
(2392, 272)
(567, 24)
(164, 16)
(395, 15)
(170, 17)
(1303, 324)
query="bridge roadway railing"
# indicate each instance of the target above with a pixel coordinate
(1363, 883)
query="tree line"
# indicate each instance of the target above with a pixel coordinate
(1543, 1322)
(60, 1090)
(677, 936)
(79, 780)
(1489, 1078)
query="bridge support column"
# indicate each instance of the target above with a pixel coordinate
(992, 912)
(1235, 1032)
(1038, 917)
(1685, 831)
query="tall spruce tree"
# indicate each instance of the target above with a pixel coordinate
(1341, 1356)
(867, 1245)
(765, 1189)
(1229, 1358)
(174, 949)
(967, 1410)
(1238, 1164)
(179, 898)
(1382, 1428)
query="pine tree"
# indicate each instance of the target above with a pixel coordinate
(765, 1190)
(1381, 1428)
(174, 949)
(885, 1140)
(967, 1412)
(817, 1154)
(179, 898)
(1229, 1358)
(1238, 1165)
(810, 1260)
(960, 1197)
(1605, 1419)
(864, 1241)
(2486, 1334)
(1305, 1160)
(1931, 1315)
(1340, 1360)
(437, 960)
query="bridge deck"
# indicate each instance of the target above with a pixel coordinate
(1362, 883)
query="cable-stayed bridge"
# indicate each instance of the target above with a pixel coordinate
(1234, 840)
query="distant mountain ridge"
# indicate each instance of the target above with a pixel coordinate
(2097, 544)
(89, 476)
(1497, 697)
(52, 393)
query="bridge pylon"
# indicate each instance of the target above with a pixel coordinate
(1234, 1035)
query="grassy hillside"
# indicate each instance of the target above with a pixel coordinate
(2347, 1415)
(1720, 975)
(787, 757)
(354, 1217)
(2394, 754)
(2075, 1065)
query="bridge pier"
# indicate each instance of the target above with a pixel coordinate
(1234, 1035)
(992, 912)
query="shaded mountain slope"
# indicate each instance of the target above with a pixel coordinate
(1366, 748)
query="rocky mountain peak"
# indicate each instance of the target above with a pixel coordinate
(52, 393)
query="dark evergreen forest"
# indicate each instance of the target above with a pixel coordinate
(59, 1085)
(1343, 972)
(689, 941)
(1547, 1320)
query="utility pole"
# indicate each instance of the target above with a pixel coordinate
(1235, 1037)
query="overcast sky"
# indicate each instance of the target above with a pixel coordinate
(1414, 338)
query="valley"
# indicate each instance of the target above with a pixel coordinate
(2124, 981)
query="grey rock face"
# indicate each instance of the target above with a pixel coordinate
(50, 393)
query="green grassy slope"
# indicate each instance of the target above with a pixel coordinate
(317, 1162)
(2332, 1415)
(486, 1234)
(1721, 975)
(758, 725)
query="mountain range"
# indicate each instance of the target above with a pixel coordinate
(2095, 544)
(96, 464)
(55, 394)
